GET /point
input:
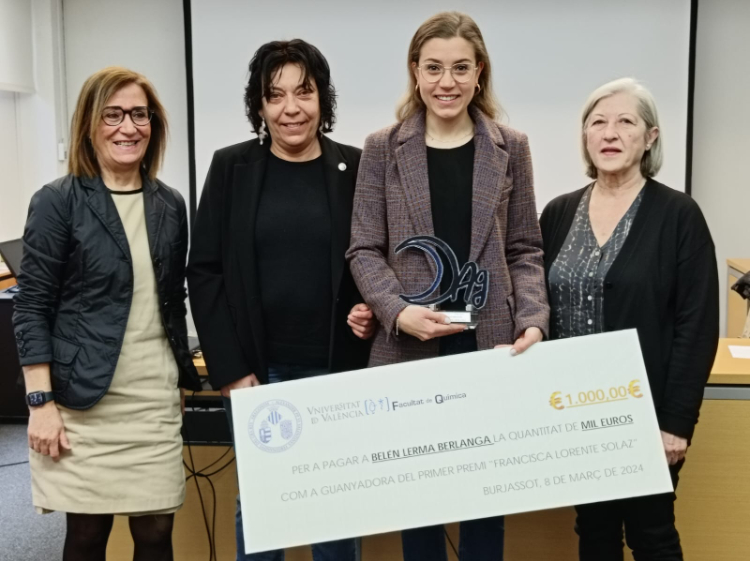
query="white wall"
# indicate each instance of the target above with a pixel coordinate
(29, 131)
(100, 33)
(16, 46)
(11, 224)
(33, 124)
(721, 145)
(38, 128)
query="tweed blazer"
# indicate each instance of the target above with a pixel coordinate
(392, 203)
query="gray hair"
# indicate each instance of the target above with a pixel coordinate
(652, 159)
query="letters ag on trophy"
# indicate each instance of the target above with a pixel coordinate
(470, 283)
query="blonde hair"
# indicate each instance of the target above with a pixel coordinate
(95, 93)
(447, 25)
(652, 158)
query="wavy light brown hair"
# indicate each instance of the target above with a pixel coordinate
(447, 25)
(97, 89)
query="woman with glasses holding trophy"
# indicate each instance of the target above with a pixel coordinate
(100, 326)
(448, 170)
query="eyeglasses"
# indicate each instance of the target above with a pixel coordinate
(114, 115)
(462, 72)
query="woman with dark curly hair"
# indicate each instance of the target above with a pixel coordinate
(271, 295)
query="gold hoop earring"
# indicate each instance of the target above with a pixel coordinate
(416, 88)
(479, 87)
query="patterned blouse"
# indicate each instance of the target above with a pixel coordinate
(576, 278)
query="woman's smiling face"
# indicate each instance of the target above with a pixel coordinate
(292, 111)
(447, 98)
(121, 148)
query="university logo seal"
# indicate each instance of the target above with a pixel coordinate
(275, 426)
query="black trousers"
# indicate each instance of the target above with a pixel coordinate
(649, 527)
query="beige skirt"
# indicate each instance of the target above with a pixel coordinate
(126, 451)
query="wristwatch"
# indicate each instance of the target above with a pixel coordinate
(35, 399)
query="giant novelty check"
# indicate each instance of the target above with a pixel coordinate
(446, 439)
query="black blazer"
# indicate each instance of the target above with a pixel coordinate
(222, 279)
(665, 284)
(76, 284)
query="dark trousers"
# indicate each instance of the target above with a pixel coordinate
(649, 528)
(479, 540)
(340, 550)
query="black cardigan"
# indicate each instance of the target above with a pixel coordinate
(665, 284)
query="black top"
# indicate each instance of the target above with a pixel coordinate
(132, 192)
(576, 277)
(664, 283)
(450, 172)
(293, 248)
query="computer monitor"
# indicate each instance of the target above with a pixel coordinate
(12, 251)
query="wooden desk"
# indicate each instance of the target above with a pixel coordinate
(200, 366)
(6, 278)
(740, 265)
(728, 370)
(737, 307)
(712, 509)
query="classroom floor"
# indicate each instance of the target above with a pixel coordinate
(24, 534)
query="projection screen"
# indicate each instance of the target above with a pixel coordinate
(547, 56)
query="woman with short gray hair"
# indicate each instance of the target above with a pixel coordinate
(628, 252)
(653, 157)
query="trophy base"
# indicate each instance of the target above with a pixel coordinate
(470, 318)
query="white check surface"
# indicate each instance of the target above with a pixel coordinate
(345, 455)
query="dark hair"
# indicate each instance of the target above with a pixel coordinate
(271, 57)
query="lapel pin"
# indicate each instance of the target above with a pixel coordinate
(342, 166)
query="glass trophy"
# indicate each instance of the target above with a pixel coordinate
(470, 284)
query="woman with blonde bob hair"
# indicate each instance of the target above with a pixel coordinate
(100, 326)
(627, 252)
(448, 169)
